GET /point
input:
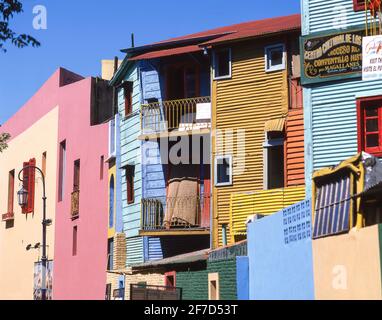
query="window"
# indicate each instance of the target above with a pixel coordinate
(275, 57)
(29, 184)
(130, 173)
(359, 5)
(223, 170)
(274, 161)
(370, 125)
(182, 81)
(75, 235)
(111, 202)
(108, 292)
(11, 191)
(170, 279)
(76, 175)
(110, 254)
(224, 234)
(113, 137)
(222, 62)
(128, 96)
(62, 169)
(213, 286)
(101, 167)
(43, 163)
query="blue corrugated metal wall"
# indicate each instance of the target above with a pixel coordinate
(330, 115)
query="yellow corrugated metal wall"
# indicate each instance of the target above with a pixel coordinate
(246, 101)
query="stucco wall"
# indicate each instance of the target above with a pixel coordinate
(82, 276)
(17, 264)
(280, 255)
(348, 266)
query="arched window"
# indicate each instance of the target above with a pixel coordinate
(111, 202)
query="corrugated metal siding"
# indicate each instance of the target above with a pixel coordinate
(130, 155)
(134, 250)
(295, 164)
(324, 15)
(154, 248)
(334, 120)
(265, 202)
(247, 101)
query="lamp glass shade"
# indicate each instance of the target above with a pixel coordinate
(22, 197)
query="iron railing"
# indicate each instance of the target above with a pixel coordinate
(154, 293)
(173, 212)
(75, 204)
(173, 115)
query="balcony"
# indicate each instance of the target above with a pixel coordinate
(176, 215)
(176, 117)
(154, 293)
(75, 205)
(8, 217)
(264, 203)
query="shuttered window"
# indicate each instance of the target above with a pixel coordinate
(370, 125)
(29, 185)
(76, 178)
(359, 5)
(11, 190)
(129, 170)
(128, 95)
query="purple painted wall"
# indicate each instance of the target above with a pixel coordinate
(82, 276)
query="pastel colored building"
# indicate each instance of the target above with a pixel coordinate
(34, 141)
(81, 234)
(257, 118)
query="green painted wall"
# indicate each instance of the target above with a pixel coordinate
(227, 277)
(194, 284)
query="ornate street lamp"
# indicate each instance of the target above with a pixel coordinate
(23, 200)
(22, 197)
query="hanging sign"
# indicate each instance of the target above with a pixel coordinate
(372, 58)
(332, 57)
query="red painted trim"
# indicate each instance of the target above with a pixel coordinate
(166, 280)
(359, 5)
(362, 104)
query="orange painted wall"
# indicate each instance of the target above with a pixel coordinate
(295, 165)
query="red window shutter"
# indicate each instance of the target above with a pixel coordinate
(31, 189)
(359, 5)
(130, 184)
(128, 94)
(26, 185)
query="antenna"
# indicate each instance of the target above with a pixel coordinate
(132, 40)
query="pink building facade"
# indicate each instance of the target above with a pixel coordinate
(81, 201)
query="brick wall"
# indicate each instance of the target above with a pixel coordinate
(193, 283)
(119, 251)
(227, 277)
(154, 278)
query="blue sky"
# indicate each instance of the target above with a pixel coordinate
(80, 33)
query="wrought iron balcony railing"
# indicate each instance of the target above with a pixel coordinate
(174, 212)
(75, 204)
(182, 115)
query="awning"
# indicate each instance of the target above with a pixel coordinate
(275, 125)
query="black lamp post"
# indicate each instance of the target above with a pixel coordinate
(22, 196)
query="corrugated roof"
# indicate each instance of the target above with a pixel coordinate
(166, 52)
(191, 257)
(211, 37)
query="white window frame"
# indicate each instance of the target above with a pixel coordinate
(282, 66)
(213, 277)
(229, 76)
(113, 154)
(269, 143)
(230, 159)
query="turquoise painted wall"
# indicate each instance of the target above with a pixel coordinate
(130, 148)
(330, 115)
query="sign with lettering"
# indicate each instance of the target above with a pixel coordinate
(372, 58)
(332, 57)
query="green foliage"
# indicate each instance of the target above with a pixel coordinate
(4, 137)
(8, 8)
